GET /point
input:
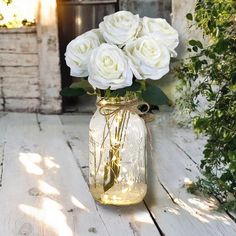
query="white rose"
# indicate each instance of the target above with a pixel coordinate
(79, 50)
(108, 67)
(161, 30)
(148, 58)
(120, 27)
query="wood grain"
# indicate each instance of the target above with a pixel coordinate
(18, 43)
(173, 168)
(44, 192)
(12, 59)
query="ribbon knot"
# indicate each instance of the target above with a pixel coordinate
(109, 109)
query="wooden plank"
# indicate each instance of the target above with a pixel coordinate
(52, 197)
(132, 220)
(172, 167)
(24, 30)
(22, 104)
(49, 61)
(19, 71)
(188, 142)
(15, 87)
(76, 129)
(12, 59)
(18, 43)
(43, 191)
(111, 216)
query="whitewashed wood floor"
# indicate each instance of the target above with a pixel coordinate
(44, 190)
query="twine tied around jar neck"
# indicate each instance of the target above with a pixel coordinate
(107, 108)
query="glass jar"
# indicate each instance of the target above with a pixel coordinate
(117, 152)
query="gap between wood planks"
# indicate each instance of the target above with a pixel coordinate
(38, 122)
(154, 219)
(2, 152)
(1, 163)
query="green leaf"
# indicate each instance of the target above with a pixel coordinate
(136, 86)
(195, 49)
(82, 84)
(234, 77)
(153, 95)
(72, 92)
(189, 16)
(195, 43)
(222, 46)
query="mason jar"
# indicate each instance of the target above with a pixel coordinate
(117, 152)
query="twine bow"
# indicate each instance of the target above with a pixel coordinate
(110, 109)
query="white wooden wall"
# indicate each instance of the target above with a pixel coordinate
(19, 70)
(30, 77)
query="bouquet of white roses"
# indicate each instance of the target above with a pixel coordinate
(125, 54)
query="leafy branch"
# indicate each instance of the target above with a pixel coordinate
(210, 73)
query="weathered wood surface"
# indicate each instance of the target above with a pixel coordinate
(176, 211)
(49, 63)
(44, 183)
(12, 59)
(20, 71)
(22, 104)
(18, 43)
(16, 87)
(31, 53)
(174, 166)
(21, 30)
(43, 191)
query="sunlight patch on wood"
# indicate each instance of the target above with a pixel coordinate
(204, 205)
(205, 214)
(31, 161)
(173, 211)
(78, 204)
(48, 161)
(143, 217)
(51, 215)
(48, 189)
(192, 211)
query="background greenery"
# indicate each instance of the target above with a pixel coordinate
(208, 76)
(15, 14)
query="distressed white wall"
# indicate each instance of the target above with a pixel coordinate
(49, 63)
(30, 77)
(19, 70)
